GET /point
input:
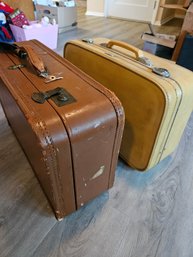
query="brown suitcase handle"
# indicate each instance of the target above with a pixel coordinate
(34, 59)
(138, 53)
(24, 52)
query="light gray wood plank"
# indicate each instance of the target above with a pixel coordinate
(144, 214)
(161, 215)
(86, 232)
(128, 31)
(25, 215)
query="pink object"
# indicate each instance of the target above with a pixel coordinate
(48, 35)
(18, 18)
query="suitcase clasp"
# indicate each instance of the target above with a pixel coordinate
(59, 95)
(144, 60)
(161, 71)
(88, 40)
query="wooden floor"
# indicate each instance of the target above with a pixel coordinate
(144, 215)
(130, 32)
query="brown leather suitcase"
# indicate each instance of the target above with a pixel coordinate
(156, 95)
(71, 139)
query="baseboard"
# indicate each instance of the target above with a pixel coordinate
(159, 23)
(99, 14)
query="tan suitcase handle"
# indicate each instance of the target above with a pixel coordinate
(138, 53)
(25, 52)
(34, 59)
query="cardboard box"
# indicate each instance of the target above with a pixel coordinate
(25, 6)
(48, 35)
(65, 17)
(161, 45)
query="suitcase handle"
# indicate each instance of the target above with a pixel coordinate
(138, 53)
(26, 52)
(34, 59)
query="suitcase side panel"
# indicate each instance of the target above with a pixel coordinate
(47, 148)
(94, 124)
(136, 146)
(172, 91)
(181, 81)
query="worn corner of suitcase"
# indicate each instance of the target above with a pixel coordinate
(59, 215)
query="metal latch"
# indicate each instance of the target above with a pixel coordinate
(161, 72)
(59, 95)
(144, 60)
(88, 40)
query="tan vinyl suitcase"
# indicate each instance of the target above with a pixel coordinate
(69, 126)
(156, 95)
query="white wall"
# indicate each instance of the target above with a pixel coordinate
(95, 7)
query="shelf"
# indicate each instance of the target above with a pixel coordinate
(174, 6)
